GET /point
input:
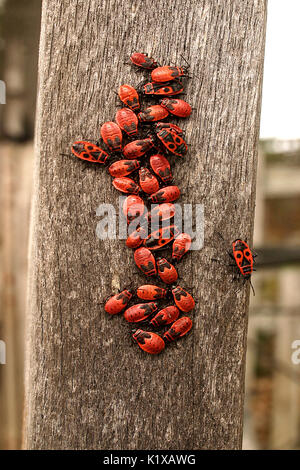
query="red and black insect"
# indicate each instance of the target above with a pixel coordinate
(162, 212)
(126, 185)
(181, 245)
(151, 292)
(118, 302)
(127, 121)
(140, 312)
(168, 125)
(145, 261)
(138, 148)
(148, 341)
(136, 238)
(165, 316)
(161, 237)
(179, 108)
(153, 113)
(129, 96)
(166, 194)
(141, 59)
(111, 135)
(166, 271)
(167, 73)
(148, 182)
(180, 328)
(172, 141)
(133, 207)
(123, 167)
(243, 257)
(183, 299)
(167, 89)
(161, 167)
(89, 152)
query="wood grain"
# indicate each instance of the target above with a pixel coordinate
(86, 387)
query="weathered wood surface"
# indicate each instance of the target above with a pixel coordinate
(86, 387)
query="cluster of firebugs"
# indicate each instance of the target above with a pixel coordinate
(155, 184)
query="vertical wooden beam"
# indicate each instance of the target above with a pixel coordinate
(86, 388)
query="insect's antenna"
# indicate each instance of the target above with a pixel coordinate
(187, 63)
(252, 287)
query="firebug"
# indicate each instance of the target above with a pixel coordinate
(183, 299)
(165, 316)
(161, 167)
(126, 185)
(153, 113)
(178, 329)
(127, 121)
(166, 194)
(138, 148)
(166, 271)
(151, 292)
(141, 59)
(129, 96)
(89, 152)
(140, 312)
(148, 341)
(111, 135)
(118, 302)
(148, 182)
(181, 245)
(145, 261)
(179, 108)
(123, 167)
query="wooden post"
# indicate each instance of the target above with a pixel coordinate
(86, 387)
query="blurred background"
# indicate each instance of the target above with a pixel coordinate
(272, 408)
